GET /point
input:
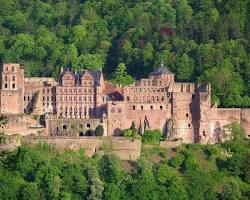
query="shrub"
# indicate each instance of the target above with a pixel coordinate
(151, 136)
(177, 160)
(128, 133)
(99, 130)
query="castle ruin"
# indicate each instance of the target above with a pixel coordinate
(80, 101)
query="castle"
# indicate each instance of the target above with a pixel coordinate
(80, 101)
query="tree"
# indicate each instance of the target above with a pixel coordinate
(28, 191)
(99, 130)
(171, 185)
(120, 77)
(88, 62)
(231, 191)
(185, 68)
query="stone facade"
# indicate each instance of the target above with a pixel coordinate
(84, 100)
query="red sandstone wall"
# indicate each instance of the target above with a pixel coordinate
(245, 121)
(122, 114)
(182, 104)
(221, 117)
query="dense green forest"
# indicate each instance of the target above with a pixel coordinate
(195, 172)
(199, 40)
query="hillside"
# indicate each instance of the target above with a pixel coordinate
(200, 172)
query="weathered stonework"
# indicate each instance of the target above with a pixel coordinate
(80, 101)
(125, 149)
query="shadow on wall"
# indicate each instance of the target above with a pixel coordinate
(117, 132)
(217, 132)
(195, 112)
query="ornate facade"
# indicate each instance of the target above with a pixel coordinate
(180, 110)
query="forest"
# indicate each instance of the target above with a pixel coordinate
(195, 172)
(198, 40)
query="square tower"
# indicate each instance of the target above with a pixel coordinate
(11, 88)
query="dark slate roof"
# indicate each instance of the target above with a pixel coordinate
(161, 70)
(77, 75)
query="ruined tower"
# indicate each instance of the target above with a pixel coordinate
(11, 89)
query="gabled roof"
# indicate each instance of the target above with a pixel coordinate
(78, 75)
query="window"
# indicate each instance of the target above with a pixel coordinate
(6, 78)
(133, 107)
(88, 125)
(6, 85)
(24, 98)
(162, 98)
(141, 107)
(13, 68)
(151, 107)
(13, 85)
(64, 127)
(161, 107)
(28, 98)
(189, 125)
(187, 115)
(127, 98)
(112, 110)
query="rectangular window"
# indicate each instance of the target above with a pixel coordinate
(133, 107)
(6, 85)
(13, 85)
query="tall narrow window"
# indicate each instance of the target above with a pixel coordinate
(13, 78)
(13, 85)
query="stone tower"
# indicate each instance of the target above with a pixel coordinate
(11, 89)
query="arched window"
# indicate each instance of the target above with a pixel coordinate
(64, 127)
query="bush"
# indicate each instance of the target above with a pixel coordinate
(128, 133)
(177, 160)
(151, 136)
(99, 130)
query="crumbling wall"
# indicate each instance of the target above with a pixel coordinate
(126, 149)
(183, 116)
(21, 124)
(220, 117)
(245, 121)
(73, 127)
(145, 116)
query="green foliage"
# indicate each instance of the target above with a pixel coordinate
(151, 137)
(177, 160)
(99, 130)
(128, 133)
(201, 172)
(121, 77)
(231, 191)
(197, 40)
